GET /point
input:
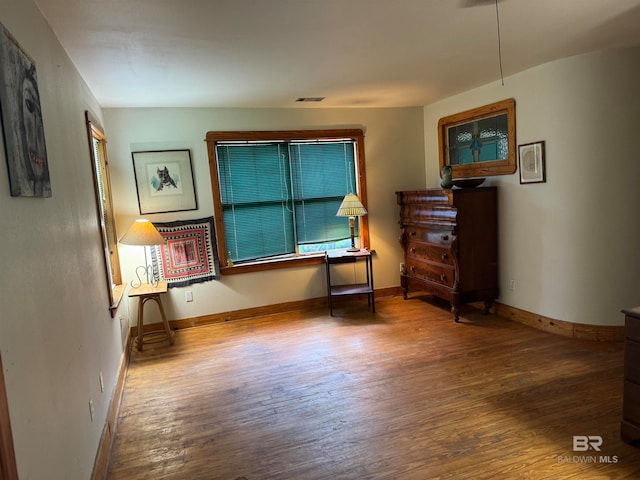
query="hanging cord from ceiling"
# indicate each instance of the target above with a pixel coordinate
(499, 44)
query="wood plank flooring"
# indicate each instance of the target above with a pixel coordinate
(405, 393)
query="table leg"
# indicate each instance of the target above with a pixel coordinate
(140, 326)
(165, 323)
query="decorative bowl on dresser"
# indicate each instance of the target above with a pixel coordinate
(449, 239)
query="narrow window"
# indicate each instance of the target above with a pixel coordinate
(106, 221)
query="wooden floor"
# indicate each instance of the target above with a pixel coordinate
(402, 394)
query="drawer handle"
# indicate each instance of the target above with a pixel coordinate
(412, 233)
(443, 277)
(413, 250)
(413, 269)
(445, 237)
(444, 256)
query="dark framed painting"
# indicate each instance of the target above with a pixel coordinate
(480, 142)
(22, 126)
(164, 181)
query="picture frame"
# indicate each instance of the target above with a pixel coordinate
(164, 181)
(479, 142)
(189, 253)
(22, 125)
(532, 162)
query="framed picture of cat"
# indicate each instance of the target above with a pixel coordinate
(164, 181)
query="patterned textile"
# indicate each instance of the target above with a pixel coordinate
(189, 254)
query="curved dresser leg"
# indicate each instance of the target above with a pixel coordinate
(487, 306)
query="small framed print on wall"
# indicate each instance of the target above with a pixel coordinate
(532, 166)
(164, 181)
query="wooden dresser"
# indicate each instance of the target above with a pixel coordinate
(449, 239)
(630, 426)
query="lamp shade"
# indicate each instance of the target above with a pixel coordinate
(142, 232)
(351, 207)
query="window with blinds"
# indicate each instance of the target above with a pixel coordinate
(279, 196)
(104, 204)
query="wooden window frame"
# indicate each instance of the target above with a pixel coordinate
(113, 276)
(213, 138)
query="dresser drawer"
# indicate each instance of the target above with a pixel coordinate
(437, 236)
(433, 272)
(439, 211)
(632, 328)
(631, 402)
(425, 251)
(632, 361)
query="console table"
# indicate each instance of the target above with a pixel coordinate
(334, 257)
(146, 292)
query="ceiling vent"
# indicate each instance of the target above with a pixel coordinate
(309, 99)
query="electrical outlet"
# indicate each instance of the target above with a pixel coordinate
(101, 382)
(92, 412)
(512, 284)
(401, 267)
(188, 296)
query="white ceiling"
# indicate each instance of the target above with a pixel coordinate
(356, 53)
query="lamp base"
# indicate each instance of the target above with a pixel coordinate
(353, 247)
(145, 271)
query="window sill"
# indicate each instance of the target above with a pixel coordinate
(118, 293)
(260, 266)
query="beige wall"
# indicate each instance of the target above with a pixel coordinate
(394, 148)
(56, 333)
(570, 243)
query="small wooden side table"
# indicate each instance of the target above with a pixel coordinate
(146, 292)
(333, 257)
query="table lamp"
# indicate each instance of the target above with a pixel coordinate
(351, 207)
(143, 233)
